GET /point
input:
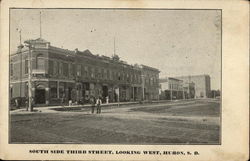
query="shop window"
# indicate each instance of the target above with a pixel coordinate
(53, 89)
(61, 90)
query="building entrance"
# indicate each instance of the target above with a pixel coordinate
(40, 96)
(104, 92)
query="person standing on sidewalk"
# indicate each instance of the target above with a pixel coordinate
(98, 104)
(92, 102)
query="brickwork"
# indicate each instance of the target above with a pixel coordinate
(77, 75)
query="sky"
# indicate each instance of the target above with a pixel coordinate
(177, 42)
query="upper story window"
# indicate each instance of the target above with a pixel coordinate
(105, 74)
(51, 67)
(78, 71)
(40, 62)
(92, 72)
(86, 71)
(119, 76)
(65, 69)
(55, 70)
(60, 68)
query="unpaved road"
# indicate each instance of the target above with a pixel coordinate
(190, 122)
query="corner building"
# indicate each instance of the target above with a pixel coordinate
(77, 75)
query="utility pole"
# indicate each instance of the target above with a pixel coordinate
(40, 24)
(171, 94)
(183, 90)
(143, 86)
(21, 59)
(114, 47)
(29, 45)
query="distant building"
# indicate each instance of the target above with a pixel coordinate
(150, 78)
(171, 89)
(78, 75)
(202, 84)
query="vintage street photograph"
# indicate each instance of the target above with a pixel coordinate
(115, 76)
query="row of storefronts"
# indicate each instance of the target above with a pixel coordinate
(58, 74)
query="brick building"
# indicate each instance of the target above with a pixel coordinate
(150, 78)
(77, 75)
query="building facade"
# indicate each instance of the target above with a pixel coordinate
(150, 82)
(202, 84)
(58, 73)
(172, 88)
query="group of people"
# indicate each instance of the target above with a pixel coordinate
(93, 101)
(96, 103)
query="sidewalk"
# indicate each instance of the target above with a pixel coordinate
(53, 108)
(56, 109)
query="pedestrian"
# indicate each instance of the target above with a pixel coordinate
(27, 103)
(98, 104)
(17, 103)
(107, 99)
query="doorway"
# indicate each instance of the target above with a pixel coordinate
(40, 96)
(104, 92)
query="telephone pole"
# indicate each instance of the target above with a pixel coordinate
(40, 24)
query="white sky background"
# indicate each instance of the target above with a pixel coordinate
(177, 42)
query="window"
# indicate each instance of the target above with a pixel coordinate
(102, 73)
(92, 72)
(86, 71)
(11, 92)
(55, 68)
(65, 69)
(11, 69)
(53, 89)
(60, 68)
(61, 90)
(39, 62)
(111, 75)
(26, 66)
(119, 76)
(78, 70)
(105, 74)
(70, 70)
(51, 67)
(108, 74)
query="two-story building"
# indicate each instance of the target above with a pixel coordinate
(58, 73)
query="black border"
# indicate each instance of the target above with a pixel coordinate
(220, 139)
